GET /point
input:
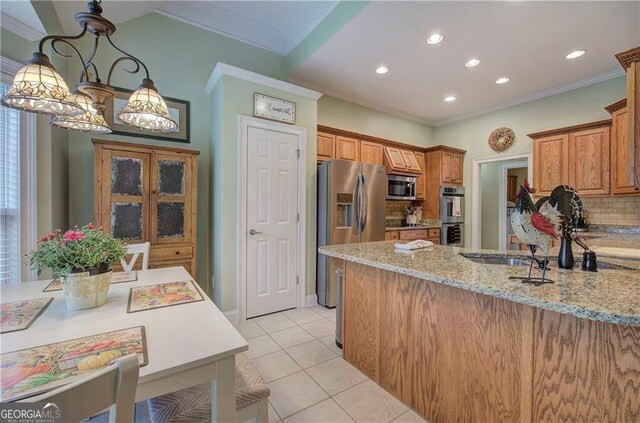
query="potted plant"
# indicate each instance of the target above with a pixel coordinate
(82, 259)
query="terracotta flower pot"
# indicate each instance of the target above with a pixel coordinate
(86, 289)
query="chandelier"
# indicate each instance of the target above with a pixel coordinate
(39, 88)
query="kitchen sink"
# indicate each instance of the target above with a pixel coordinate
(499, 261)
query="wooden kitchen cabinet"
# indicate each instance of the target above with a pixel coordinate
(371, 152)
(550, 163)
(420, 187)
(443, 167)
(401, 161)
(589, 161)
(326, 147)
(577, 156)
(622, 176)
(347, 149)
(144, 193)
(430, 234)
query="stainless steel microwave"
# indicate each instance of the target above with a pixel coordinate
(401, 187)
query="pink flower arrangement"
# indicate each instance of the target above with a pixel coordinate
(73, 235)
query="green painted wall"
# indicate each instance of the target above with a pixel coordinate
(180, 59)
(235, 96)
(570, 108)
(490, 183)
(341, 114)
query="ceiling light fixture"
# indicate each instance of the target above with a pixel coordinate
(381, 70)
(575, 54)
(435, 38)
(472, 62)
(449, 98)
(502, 80)
(39, 88)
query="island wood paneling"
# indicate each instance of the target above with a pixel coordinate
(363, 313)
(584, 370)
(457, 356)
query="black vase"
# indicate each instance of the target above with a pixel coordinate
(565, 258)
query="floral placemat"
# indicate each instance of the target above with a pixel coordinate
(117, 277)
(19, 315)
(32, 371)
(148, 297)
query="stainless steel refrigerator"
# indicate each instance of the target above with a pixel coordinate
(351, 209)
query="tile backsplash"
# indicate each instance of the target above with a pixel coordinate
(613, 210)
(396, 209)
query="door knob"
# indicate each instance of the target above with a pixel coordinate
(254, 232)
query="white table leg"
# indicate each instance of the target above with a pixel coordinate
(223, 392)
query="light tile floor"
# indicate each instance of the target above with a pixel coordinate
(296, 353)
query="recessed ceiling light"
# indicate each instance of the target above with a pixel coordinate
(575, 54)
(502, 80)
(435, 38)
(472, 62)
(449, 98)
(382, 70)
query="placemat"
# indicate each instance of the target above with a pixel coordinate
(142, 298)
(35, 370)
(117, 277)
(19, 315)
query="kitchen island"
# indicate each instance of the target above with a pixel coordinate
(459, 342)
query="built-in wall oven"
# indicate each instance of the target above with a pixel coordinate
(400, 187)
(452, 215)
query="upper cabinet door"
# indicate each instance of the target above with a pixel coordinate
(125, 195)
(171, 193)
(347, 148)
(621, 173)
(446, 170)
(396, 161)
(550, 163)
(326, 147)
(371, 153)
(589, 161)
(456, 168)
(410, 160)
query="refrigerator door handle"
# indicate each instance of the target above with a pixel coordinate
(365, 203)
(356, 204)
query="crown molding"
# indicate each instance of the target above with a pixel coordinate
(225, 69)
(543, 94)
(19, 28)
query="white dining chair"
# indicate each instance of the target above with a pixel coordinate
(135, 250)
(113, 387)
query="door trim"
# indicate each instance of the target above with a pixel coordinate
(502, 200)
(476, 191)
(244, 123)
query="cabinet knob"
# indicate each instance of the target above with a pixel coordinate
(177, 252)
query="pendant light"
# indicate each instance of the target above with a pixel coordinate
(39, 88)
(90, 121)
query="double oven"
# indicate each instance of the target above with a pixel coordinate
(452, 215)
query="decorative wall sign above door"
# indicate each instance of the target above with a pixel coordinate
(274, 109)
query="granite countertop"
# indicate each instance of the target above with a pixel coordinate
(609, 295)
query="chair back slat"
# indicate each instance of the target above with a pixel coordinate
(135, 250)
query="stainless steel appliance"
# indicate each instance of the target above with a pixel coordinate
(351, 203)
(400, 187)
(452, 215)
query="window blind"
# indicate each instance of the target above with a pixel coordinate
(9, 193)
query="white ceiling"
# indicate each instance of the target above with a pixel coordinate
(277, 26)
(526, 41)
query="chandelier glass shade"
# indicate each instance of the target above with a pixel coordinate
(39, 88)
(90, 121)
(147, 109)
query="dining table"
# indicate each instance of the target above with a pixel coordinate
(186, 344)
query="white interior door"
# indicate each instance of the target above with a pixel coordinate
(272, 227)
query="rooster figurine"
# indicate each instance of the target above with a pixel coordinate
(536, 229)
